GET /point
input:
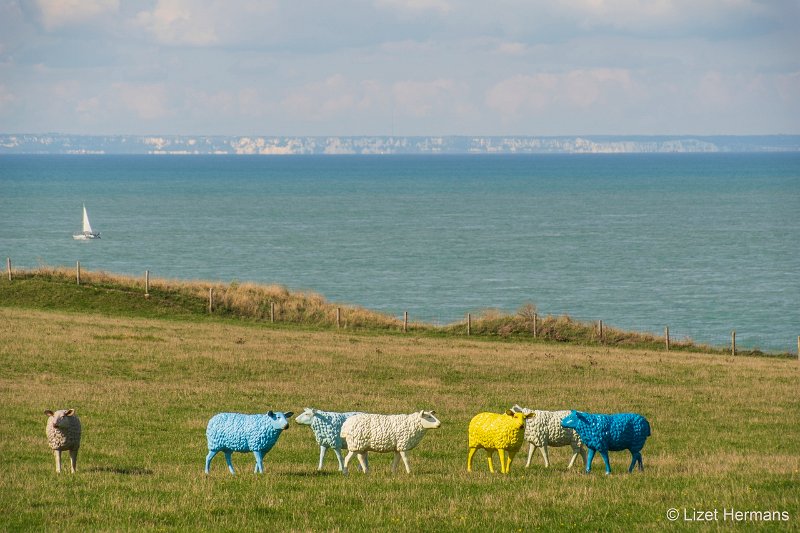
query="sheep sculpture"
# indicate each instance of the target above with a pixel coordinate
(501, 432)
(603, 433)
(235, 432)
(386, 434)
(64, 433)
(327, 428)
(544, 429)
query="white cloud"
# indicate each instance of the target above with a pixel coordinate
(57, 13)
(416, 6)
(179, 22)
(6, 97)
(146, 101)
(422, 98)
(582, 88)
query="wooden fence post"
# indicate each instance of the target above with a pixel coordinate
(210, 299)
(405, 325)
(733, 342)
(469, 324)
(147, 284)
(272, 311)
(78, 272)
(8, 267)
(798, 348)
(600, 329)
(666, 336)
(338, 318)
(535, 317)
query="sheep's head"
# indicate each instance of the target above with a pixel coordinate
(573, 419)
(518, 418)
(523, 410)
(306, 416)
(429, 420)
(280, 420)
(59, 418)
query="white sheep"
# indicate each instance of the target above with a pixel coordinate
(64, 433)
(327, 428)
(544, 429)
(386, 433)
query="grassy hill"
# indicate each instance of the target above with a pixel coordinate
(146, 380)
(119, 295)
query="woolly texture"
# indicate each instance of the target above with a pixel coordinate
(493, 431)
(235, 432)
(327, 428)
(63, 431)
(383, 433)
(544, 430)
(603, 433)
(502, 432)
(242, 433)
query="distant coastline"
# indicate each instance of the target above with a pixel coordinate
(57, 143)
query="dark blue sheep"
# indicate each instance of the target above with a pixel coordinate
(604, 433)
(235, 432)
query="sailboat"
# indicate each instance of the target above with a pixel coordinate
(87, 232)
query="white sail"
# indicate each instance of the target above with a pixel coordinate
(87, 228)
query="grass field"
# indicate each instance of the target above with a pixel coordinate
(725, 430)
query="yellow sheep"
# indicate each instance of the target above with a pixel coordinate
(503, 432)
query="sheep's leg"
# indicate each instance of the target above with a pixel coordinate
(502, 453)
(228, 460)
(636, 457)
(73, 460)
(604, 454)
(404, 457)
(544, 454)
(362, 459)
(589, 460)
(338, 458)
(395, 461)
(489, 454)
(583, 454)
(575, 452)
(350, 455)
(211, 454)
(469, 458)
(58, 460)
(259, 462)
(511, 455)
(322, 450)
(531, 449)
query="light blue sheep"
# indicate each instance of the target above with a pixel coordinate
(604, 433)
(327, 428)
(235, 432)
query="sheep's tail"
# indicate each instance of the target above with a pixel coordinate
(646, 428)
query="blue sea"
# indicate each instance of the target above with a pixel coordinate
(702, 243)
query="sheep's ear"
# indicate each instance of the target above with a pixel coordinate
(48, 412)
(581, 416)
(432, 412)
(422, 413)
(516, 408)
(270, 414)
(69, 412)
(288, 414)
(509, 412)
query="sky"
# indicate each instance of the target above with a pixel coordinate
(400, 67)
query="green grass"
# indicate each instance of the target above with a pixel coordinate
(726, 431)
(119, 295)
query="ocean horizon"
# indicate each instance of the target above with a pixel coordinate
(702, 243)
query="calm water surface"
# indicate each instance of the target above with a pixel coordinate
(702, 243)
